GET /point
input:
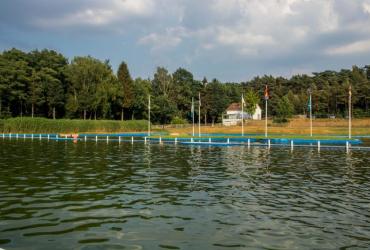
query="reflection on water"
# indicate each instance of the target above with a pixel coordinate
(60, 195)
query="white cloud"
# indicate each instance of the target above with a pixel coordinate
(352, 48)
(171, 38)
(229, 37)
(100, 15)
(294, 31)
(366, 7)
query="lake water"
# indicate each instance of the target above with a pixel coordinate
(87, 195)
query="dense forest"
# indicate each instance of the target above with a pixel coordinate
(46, 84)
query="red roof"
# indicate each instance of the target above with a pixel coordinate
(235, 106)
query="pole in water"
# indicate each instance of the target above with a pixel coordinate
(40, 136)
(96, 138)
(191, 140)
(85, 138)
(266, 94)
(119, 139)
(318, 146)
(199, 115)
(347, 146)
(32, 136)
(209, 140)
(149, 115)
(249, 143)
(350, 112)
(107, 138)
(16, 136)
(132, 140)
(192, 113)
(160, 140)
(243, 114)
(291, 145)
(310, 116)
(175, 140)
(268, 143)
(145, 139)
(266, 118)
(228, 141)
(24, 136)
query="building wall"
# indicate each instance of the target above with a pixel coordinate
(235, 116)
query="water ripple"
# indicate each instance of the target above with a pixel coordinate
(60, 195)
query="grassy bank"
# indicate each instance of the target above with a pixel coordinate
(43, 125)
(296, 127)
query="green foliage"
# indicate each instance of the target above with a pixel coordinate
(43, 125)
(251, 100)
(45, 84)
(284, 108)
(182, 88)
(2, 122)
(162, 82)
(126, 90)
(87, 77)
(280, 120)
(142, 90)
(179, 120)
(215, 100)
(163, 109)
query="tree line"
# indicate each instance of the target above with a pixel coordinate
(46, 84)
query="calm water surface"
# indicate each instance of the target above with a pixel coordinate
(61, 195)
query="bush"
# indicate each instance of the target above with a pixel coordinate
(43, 125)
(359, 113)
(178, 120)
(280, 120)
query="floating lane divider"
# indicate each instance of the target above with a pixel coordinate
(347, 145)
(313, 141)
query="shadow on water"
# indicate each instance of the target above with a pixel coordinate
(98, 195)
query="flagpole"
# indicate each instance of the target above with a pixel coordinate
(266, 94)
(266, 117)
(199, 116)
(350, 112)
(310, 112)
(192, 113)
(242, 115)
(149, 116)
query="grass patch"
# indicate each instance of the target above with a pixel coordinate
(43, 125)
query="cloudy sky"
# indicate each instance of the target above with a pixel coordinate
(232, 40)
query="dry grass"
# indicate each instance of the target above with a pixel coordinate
(295, 126)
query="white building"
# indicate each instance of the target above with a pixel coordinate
(234, 114)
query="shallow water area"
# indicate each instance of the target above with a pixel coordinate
(110, 195)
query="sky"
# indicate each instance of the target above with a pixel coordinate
(231, 40)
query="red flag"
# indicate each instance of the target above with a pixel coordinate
(266, 94)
